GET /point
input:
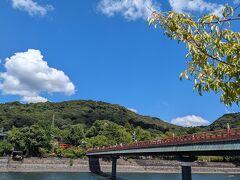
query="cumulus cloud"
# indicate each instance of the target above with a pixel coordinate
(31, 7)
(196, 5)
(133, 110)
(129, 9)
(190, 121)
(34, 99)
(28, 75)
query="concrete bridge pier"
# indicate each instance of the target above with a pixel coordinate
(94, 165)
(186, 171)
(114, 168)
(186, 167)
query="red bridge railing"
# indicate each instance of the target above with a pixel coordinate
(211, 136)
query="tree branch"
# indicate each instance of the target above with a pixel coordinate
(223, 20)
(211, 56)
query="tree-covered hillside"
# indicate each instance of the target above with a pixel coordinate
(37, 129)
(68, 113)
(232, 119)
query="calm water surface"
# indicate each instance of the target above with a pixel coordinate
(122, 176)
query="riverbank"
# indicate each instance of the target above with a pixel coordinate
(138, 166)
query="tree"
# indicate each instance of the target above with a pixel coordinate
(213, 49)
(5, 148)
(142, 135)
(114, 133)
(18, 138)
(74, 134)
(30, 140)
(97, 141)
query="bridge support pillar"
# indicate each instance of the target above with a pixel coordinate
(186, 166)
(186, 171)
(114, 168)
(94, 165)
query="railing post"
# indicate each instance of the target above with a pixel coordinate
(114, 168)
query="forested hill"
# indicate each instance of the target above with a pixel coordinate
(75, 112)
(83, 124)
(232, 119)
(88, 111)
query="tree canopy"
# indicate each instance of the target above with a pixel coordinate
(30, 140)
(75, 112)
(41, 137)
(42, 140)
(213, 49)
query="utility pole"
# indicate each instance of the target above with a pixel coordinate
(53, 120)
(53, 124)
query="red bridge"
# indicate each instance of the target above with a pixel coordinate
(186, 148)
(212, 136)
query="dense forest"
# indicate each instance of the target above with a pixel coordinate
(37, 129)
(75, 112)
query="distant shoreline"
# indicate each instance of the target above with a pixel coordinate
(52, 165)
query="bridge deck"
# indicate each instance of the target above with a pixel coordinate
(223, 142)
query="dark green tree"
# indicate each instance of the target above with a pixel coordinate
(115, 134)
(74, 134)
(142, 135)
(5, 148)
(30, 139)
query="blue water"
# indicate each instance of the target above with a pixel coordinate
(121, 176)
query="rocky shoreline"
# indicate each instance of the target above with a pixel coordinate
(139, 166)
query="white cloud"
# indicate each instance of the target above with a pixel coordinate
(133, 110)
(28, 75)
(34, 99)
(32, 7)
(196, 5)
(129, 9)
(190, 121)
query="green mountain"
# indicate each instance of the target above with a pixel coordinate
(74, 112)
(83, 124)
(88, 111)
(232, 119)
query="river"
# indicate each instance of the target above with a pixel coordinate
(121, 176)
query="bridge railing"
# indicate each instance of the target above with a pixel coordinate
(211, 136)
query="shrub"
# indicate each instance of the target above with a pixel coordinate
(71, 162)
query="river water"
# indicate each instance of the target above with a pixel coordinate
(121, 176)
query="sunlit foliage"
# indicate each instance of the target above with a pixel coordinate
(213, 49)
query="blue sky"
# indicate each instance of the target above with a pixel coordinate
(100, 50)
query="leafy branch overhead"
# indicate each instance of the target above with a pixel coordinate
(213, 49)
